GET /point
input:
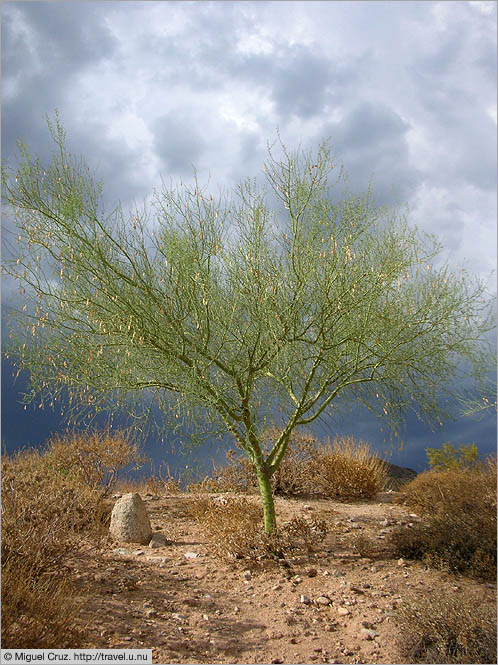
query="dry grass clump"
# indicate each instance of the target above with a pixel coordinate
(160, 483)
(448, 629)
(238, 476)
(233, 526)
(366, 546)
(346, 470)
(459, 526)
(39, 514)
(38, 611)
(92, 459)
(50, 498)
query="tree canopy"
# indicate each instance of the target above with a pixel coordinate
(225, 308)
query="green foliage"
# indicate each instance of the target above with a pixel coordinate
(447, 457)
(222, 309)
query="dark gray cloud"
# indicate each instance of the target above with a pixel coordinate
(45, 47)
(302, 81)
(369, 140)
(179, 141)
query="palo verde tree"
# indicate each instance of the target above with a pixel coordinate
(223, 307)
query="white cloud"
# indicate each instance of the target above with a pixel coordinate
(486, 7)
(405, 90)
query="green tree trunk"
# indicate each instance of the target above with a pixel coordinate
(267, 497)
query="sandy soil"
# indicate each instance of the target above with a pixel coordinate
(199, 610)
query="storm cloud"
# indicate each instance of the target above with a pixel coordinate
(406, 92)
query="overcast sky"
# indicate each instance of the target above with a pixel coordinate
(406, 91)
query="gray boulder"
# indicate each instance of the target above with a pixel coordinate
(129, 520)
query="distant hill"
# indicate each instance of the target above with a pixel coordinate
(398, 475)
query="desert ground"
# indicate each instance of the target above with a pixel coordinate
(334, 605)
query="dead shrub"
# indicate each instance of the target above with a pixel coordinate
(302, 533)
(448, 629)
(348, 470)
(161, 482)
(233, 525)
(294, 475)
(39, 516)
(238, 477)
(92, 459)
(38, 611)
(458, 531)
(344, 470)
(365, 546)
(50, 498)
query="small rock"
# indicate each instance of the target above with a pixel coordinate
(191, 555)
(307, 507)
(121, 550)
(323, 600)
(312, 572)
(139, 553)
(277, 660)
(305, 600)
(179, 617)
(205, 617)
(367, 624)
(368, 634)
(401, 562)
(247, 575)
(343, 611)
(158, 540)
(151, 612)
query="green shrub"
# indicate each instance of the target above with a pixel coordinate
(447, 457)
